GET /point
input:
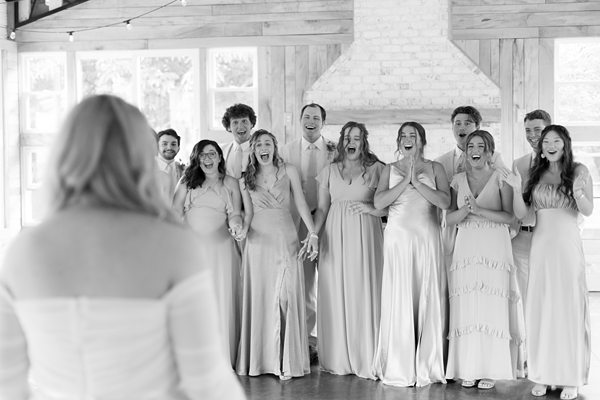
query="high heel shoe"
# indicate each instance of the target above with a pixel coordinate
(569, 393)
(539, 390)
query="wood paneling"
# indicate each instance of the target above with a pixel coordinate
(524, 65)
(285, 73)
(257, 19)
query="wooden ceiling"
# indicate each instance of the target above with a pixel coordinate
(265, 21)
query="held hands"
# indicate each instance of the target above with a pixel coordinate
(310, 247)
(236, 229)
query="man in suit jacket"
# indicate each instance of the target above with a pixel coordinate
(169, 171)
(535, 122)
(310, 154)
(239, 119)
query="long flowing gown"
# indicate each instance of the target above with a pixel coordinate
(410, 346)
(273, 334)
(206, 210)
(486, 312)
(557, 314)
(63, 348)
(350, 267)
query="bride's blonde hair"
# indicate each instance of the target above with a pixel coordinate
(105, 153)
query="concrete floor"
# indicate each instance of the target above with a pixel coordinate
(321, 385)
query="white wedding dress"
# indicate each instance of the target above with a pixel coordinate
(115, 348)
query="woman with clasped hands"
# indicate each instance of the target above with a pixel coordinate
(556, 313)
(106, 298)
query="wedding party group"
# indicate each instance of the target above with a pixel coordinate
(163, 280)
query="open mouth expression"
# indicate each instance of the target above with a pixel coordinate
(553, 146)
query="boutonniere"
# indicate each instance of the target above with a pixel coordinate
(331, 146)
(331, 149)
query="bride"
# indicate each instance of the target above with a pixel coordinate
(105, 298)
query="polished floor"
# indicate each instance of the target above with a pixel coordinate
(321, 385)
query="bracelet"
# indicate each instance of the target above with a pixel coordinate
(312, 234)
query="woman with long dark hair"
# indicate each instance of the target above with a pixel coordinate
(210, 203)
(273, 332)
(351, 260)
(556, 313)
(411, 343)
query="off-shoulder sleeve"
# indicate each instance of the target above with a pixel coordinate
(14, 362)
(204, 369)
(323, 176)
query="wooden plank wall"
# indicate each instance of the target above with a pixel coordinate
(512, 41)
(285, 73)
(262, 20)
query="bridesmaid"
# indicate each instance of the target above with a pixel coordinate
(410, 345)
(209, 202)
(349, 284)
(556, 312)
(273, 337)
(486, 332)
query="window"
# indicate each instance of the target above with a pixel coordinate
(577, 82)
(43, 91)
(163, 84)
(577, 101)
(232, 78)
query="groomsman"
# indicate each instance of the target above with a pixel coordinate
(169, 170)
(535, 122)
(310, 154)
(239, 120)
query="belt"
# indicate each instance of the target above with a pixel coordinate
(527, 228)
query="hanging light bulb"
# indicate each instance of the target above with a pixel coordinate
(71, 37)
(13, 35)
(128, 25)
(184, 3)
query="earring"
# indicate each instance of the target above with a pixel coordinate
(542, 155)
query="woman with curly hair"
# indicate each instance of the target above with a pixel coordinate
(273, 332)
(210, 203)
(411, 343)
(556, 312)
(351, 259)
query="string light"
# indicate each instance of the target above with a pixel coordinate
(127, 22)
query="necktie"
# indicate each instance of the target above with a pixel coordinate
(311, 188)
(460, 164)
(172, 179)
(237, 163)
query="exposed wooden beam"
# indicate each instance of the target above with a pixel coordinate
(398, 116)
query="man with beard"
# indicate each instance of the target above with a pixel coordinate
(169, 170)
(310, 154)
(239, 120)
